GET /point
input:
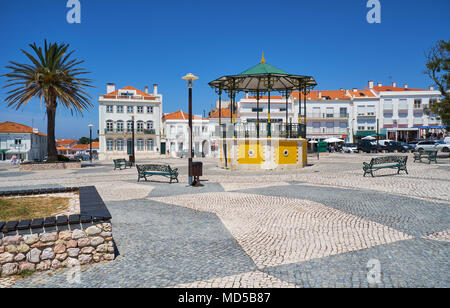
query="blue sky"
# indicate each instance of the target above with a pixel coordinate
(141, 42)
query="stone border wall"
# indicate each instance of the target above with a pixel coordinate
(77, 245)
(48, 166)
(54, 242)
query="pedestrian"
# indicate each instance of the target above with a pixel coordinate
(13, 159)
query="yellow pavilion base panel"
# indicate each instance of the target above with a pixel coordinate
(262, 153)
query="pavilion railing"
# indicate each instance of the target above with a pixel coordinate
(265, 130)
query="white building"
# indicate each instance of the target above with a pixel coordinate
(176, 130)
(23, 141)
(117, 110)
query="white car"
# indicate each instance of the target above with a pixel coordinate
(349, 148)
(437, 145)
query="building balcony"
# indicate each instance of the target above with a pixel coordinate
(418, 122)
(366, 115)
(403, 107)
(129, 132)
(326, 116)
(388, 107)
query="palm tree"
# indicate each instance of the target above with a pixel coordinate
(51, 77)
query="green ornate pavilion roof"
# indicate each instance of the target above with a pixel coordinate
(263, 77)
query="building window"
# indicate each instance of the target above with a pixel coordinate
(149, 109)
(140, 145)
(129, 126)
(343, 112)
(196, 131)
(109, 126)
(129, 109)
(149, 124)
(172, 130)
(140, 109)
(149, 144)
(140, 126)
(417, 103)
(257, 109)
(109, 145)
(204, 129)
(119, 144)
(109, 108)
(119, 109)
(433, 101)
(119, 125)
(282, 109)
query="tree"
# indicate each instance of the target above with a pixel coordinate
(83, 140)
(438, 69)
(53, 77)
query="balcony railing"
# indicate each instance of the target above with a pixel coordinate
(329, 116)
(129, 131)
(388, 106)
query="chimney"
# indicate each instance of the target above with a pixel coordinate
(431, 88)
(320, 94)
(146, 89)
(394, 84)
(246, 95)
(110, 87)
(355, 90)
(406, 86)
(370, 84)
(155, 89)
(380, 84)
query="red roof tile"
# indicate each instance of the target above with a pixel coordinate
(179, 115)
(11, 127)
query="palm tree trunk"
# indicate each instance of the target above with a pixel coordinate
(51, 143)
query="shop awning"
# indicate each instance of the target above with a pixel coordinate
(430, 127)
(3, 150)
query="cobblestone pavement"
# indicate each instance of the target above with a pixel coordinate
(321, 226)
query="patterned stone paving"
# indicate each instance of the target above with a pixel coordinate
(314, 227)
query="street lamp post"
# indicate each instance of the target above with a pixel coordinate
(190, 84)
(90, 142)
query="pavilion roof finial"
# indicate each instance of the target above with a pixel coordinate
(262, 58)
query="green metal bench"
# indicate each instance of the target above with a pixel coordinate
(393, 162)
(430, 155)
(156, 169)
(118, 163)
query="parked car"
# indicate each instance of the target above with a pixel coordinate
(394, 146)
(447, 140)
(369, 146)
(427, 145)
(349, 148)
(384, 142)
(443, 146)
(82, 157)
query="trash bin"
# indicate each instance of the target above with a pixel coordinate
(197, 172)
(131, 158)
(322, 146)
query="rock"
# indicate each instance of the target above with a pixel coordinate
(83, 242)
(97, 241)
(44, 265)
(87, 250)
(107, 227)
(19, 257)
(71, 262)
(12, 240)
(65, 235)
(102, 248)
(110, 249)
(48, 237)
(34, 255)
(56, 264)
(93, 230)
(109, 257)
(106, 234)
(85, 259)
(77, 234)
(6, 257)
(23, 248)
(11, 248)
(1, 242)
(72, 244)
(2, 249)
(97, 257)
(59, 248)
(30, 239)
(73, 252)
(47, 254)
(61, 256)
(9, 269)
(26, 266)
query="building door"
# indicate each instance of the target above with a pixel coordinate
(163, 148)
(130, 147)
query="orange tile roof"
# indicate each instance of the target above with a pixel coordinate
(225, 113)
(179, 115)
(361, 93)
(80, 147)
(11, 127)
(332, 94)
(62, 148)
(65, 141)
(266, 97)
(138, 92)
(95, 144)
